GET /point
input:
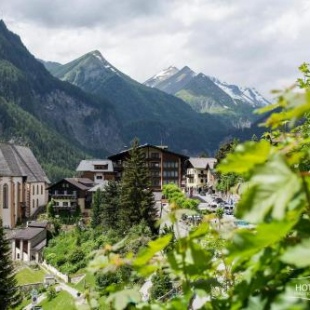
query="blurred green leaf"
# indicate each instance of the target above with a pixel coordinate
(298, 255)
(269, 191)
(246, 243)
(245, 157)
(122, 299)
(153, 247)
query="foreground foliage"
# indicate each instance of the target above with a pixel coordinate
(263, 268)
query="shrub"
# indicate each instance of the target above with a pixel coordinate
(161, 285)
(51, 293)
(76, 256)
(61, 260)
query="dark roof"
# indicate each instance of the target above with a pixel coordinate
(160, 148)
(40, 245)
(19, 161)
(28, 233)
(80, 183)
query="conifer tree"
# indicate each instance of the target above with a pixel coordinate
(96, 208)
(7, 280)
(110, 206)
(137, 200)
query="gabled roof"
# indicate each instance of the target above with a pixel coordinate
(164, 149)
(202, 163)
(89, 165)
(28, 233)
(20, 161)
(80, 183)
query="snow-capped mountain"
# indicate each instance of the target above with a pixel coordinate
(143, 112)
(206, 94)
(245, 94)
(161, 76)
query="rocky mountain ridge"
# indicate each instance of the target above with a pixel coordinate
(206, 94)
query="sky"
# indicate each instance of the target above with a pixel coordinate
(250, 43)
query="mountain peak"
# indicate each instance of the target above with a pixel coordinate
(96, 54)
(161, 76)
(98, 61)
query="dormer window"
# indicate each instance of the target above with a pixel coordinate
(101, 167)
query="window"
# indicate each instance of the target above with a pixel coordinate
(155, 173)
(154, 165)
(5, 196)
(170, 181)
(37, 203)
(171, 173)
(101, 167)
(171, 164)
(41, 189)
(33, 203)
(65, 204)
(37, 189)
(154, 155)
(33, 189)
(98, 177)
(155, 182)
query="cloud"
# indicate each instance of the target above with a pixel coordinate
(80, 13)
(250, 43)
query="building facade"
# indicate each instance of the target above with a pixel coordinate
(164, 166)
(98, 170)
(28, 243)
(200, 173)
(23, 184)
(70, 193)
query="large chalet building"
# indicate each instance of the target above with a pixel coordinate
(22, 184)
(164, 166)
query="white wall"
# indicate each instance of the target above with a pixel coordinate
(38, 196)
(9, 215)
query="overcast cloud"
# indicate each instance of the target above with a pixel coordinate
(250, 43)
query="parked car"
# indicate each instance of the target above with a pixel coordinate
(229, 209)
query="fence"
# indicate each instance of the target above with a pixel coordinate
(56, 272)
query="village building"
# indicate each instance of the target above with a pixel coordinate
(164, 165)
(70, 193)
(28, 243)
(23, 184)
(98, 170)
(200, 173)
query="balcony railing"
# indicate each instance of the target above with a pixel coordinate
(64, 196)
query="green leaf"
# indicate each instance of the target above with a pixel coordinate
(245, 157)
(121, 299)
(246, 243)
(155, 246)
(298, 255)
(269, 191)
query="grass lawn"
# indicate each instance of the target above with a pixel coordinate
(63, 300)
(28, 275)
(22, 305)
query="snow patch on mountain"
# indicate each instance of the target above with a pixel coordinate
(161, 76)
(246, 94)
